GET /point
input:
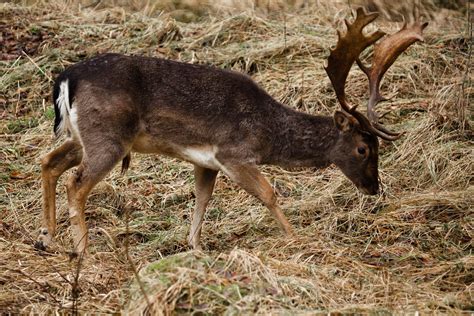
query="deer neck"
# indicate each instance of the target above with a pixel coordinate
(303, 140)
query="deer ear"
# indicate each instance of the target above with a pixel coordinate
(343, 121)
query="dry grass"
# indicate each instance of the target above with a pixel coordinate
(407, 250)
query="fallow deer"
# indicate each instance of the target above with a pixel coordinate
(219, 120)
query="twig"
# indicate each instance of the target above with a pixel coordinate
(9, 69)
(44, 287)
(130, 261)
(75, 291)
(286, 60)
(466, 81)
(36, 65)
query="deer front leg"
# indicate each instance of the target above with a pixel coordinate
(251, 180)
(205, 180)
(53, 165)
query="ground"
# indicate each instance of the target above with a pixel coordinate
(408, 249)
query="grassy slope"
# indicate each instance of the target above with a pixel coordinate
(409, 249)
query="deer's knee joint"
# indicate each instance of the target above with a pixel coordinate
(74, 180)
(269, 198)
(45, 163)
(71, 183)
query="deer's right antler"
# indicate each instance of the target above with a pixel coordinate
(385, 54)
(348, 49)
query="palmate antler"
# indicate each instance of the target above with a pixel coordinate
(348, 49)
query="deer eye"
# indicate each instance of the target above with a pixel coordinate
(361, 150)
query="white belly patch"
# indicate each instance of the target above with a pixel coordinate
(202, 156)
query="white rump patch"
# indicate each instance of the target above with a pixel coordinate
(73, 123)
(202, 156)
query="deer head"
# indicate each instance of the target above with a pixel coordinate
(359, 133)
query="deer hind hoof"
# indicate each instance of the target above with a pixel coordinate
(44, 240)
(39, 244)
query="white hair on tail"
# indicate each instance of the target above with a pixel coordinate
(62, 102)
(68, 113)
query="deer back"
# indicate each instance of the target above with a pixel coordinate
(170, 107)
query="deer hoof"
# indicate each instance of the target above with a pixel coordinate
(195, 245)
(44, 240)
(39, 245)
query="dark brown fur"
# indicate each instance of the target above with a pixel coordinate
(131, 103)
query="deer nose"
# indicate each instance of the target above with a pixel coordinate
(375, 190)
(372, 190)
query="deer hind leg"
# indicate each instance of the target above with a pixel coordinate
(205, 180)
(95, 165)
(251, 180)
(53, 165)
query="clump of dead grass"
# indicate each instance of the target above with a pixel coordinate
(237, 282)
(409, 249)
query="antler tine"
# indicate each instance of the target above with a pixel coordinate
(347, 50)
(385, 54)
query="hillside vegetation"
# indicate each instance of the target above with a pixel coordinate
(408, 249)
